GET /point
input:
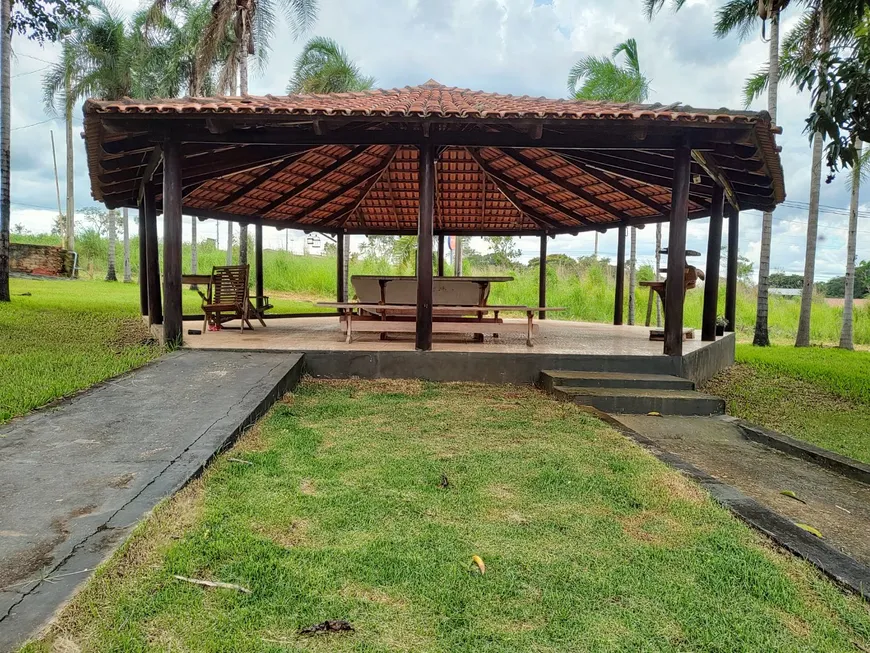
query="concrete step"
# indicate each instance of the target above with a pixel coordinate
(640, 401)
(569, 378)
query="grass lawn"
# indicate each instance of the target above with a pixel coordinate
(63, 336)
(590, 543)
(60, 336)
(821, 395)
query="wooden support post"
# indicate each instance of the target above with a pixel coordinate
(172, 193)
(441, 255)
(341, 291)
(731, 273)
(542, 278)
(711, 281)
(152, 256)
(675, 284)
(258, 262)
(619, 297)
(424, 247)
(143, 262)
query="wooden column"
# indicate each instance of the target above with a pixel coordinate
(258, 262)
(675, 288)
(424, 247)
(619, 298)
(711, 282)
(542, 278)
(731, 272)
(172, 324)
(152, 256)
(441, 255)
(143, 262)
(341, 291)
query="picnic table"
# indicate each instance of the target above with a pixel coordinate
(446, 291)
(400, 318)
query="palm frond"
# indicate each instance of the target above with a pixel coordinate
(324, 67)
(755, 85)
(739, 16)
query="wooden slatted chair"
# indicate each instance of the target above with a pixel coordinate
(228, 296)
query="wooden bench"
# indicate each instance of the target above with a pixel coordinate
(401, 318)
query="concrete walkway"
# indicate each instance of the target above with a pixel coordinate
(837, 506)
(75, 478)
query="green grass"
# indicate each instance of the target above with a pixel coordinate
(821, 395)
(65, 336)
(590, 543)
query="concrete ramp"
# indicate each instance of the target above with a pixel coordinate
(76, 477)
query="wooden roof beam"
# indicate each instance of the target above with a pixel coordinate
(708, 162)
(541, 220)
(315, 178)
(622, 187)
(543, 199)
(550, 176)
(264, 176)
(331, 197)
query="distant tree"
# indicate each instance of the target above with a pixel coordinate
(744, 269)
(377, 247)
(834, 287)
(783, 280)
(18, 229)
(504, 250)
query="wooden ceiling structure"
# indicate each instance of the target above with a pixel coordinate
(504, 165)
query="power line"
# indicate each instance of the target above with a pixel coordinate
(30, 72)
(33, 124)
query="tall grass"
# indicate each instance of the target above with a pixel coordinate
(585, 291)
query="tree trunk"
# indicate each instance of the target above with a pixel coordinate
(657, 300)
(243, 56)
(762, 336)
(193, 261)
(243, 244)
(229, 243)
(70, 181)
(5, 134)
(595, 251)
(110, 268)
(846, 340)
(632, 275)
(128, 277)
(803, 332)
(345, 264)
(457, 258)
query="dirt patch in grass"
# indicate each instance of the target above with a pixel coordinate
(132, 333)
(285, 536)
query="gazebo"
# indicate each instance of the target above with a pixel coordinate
(431, 161)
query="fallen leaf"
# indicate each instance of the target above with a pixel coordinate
(792, 495)
(810, 529)
(477, 560)
(328, 626)
(654, 413)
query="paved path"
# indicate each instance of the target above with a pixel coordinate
(75, 478)
(837, 506)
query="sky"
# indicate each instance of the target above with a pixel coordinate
(523, 47)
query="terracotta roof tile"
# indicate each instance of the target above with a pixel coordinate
(427, 100)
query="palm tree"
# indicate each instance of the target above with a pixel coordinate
(324, 67)
(128, 273)
(110, 267)
(604, 79)
(812, 34)
(5, 138)
(741, 16)
(846, 339)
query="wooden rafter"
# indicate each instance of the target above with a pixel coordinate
(712, 168)
(264, 176)
(369, 179)
(390, 193)
(315, 178)
(550, 176)
(497, 176)
(541, 220)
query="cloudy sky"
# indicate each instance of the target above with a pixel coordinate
(508, 46)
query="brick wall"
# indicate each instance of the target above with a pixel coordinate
(40, 259)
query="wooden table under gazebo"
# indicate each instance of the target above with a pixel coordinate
(431, 161)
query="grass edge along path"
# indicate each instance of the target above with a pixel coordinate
(366, 501)
(821, 395)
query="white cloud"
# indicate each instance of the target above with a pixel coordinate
(510, 46)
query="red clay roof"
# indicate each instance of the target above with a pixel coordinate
(430, 100)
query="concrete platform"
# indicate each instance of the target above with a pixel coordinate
(560, 344)
(77, 476)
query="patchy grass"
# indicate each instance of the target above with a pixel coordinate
(818, 395)
(58, 337)
(589, 542)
